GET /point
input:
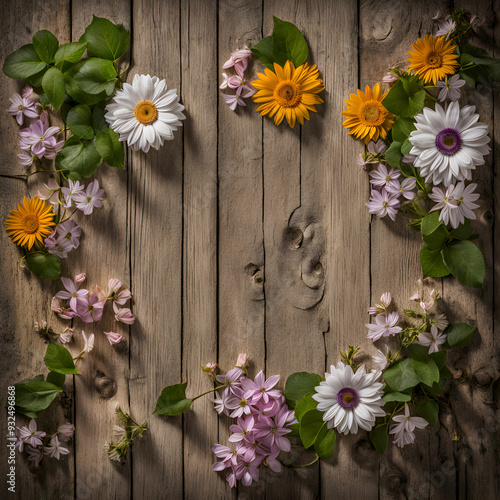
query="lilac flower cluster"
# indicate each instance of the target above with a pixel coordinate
(89, 307)
(386, 186)
(263, 421)
(239, 62)
(39, 444)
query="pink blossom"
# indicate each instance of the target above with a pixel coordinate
(72, 293)
(26, 159)
(383, 177)
(80, 278)
(432, 339)
(31, 435)
(389, 77)
(385, 325)
(53, 196)
(21, 107)
(426, 305)
(242, 361)
(247, 470)
(63, 312)
(260, 387)
(70, 231)
(229, 456)
(89, 308)
(58, 247)
(238, 60)
(114, 338)
(55, 450)
(446, 28)
(209, 368)
(405, 188)
(27, 91)
(220, 401)
(242, 430)
(385, 302)
(415, 297)
(232, 379)
(240, 406)
(383, 203)
(69, 192)
(39, 138)
(376, 148)
(66, 335)
(35, 455)
(66, 431)
(125, 316)
(273, 431)
(90, 199)
(233, 100)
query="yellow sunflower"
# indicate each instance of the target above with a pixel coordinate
(30, 222)
(288, 92)
(432, 58)
(366, 117)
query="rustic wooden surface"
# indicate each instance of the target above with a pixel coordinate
(242, 237)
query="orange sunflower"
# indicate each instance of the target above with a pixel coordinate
(288, 92)
(366, 117)
(432, 58)
(30, 222)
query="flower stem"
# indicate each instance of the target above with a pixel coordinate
(208, 392)
(307, 465)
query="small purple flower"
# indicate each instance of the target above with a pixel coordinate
(383, 203)
(261, 388)
(383, 177)
(89, 308)
(405, 188)
(450, 88)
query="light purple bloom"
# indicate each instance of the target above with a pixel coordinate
(55, 450)
(35, 455)
(465, 198)
(385, 325)
(69, 192)
(383, 177)
(86, 201)
(21, 106)
(446, 28)
(233, 100)
(72, 293)
(383, 203)
(450, 88)
(89, 308)
(261, 388)
(447, 204)
(242, 430)
(247, 470)
(30, 435)
(405, 188)
(378, 147)
(70, 231)
(58, 247)
(39, 138)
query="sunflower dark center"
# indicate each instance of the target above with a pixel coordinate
(434, 60)
(30, 223)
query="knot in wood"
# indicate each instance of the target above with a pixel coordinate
(394, 481)
(482, 378)
(295, 237)
(105, 386)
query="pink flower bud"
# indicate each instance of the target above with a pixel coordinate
(242, 361)
(114, 338)
(125, 316)
(80, 278)
(66, 431)
(415, 297)
(209, 368)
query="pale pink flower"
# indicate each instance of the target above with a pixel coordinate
(80, 278)
(125, 316)
(225, 82)
(63, 312)
(261, 388)
(209, 368)
(389, 77)
(227, 454)
(233, 100)
(239, 405)
(376, 148)
(415, 297)
(72, 293)
(89, 308)
(385, 325)
(465, 198)
(380, 359)
(385, 302)
(35, 455)
(232, 379)
(447, 204)
(432, 339)
(26, 159)
(403, 430)
(220, 401)
(242, 430)
(247, 470)
(69, 192)
(383, 177)
(273, 432)
(90, 199)
(450, 89)
(426, 305)
(238, 59)
(66, 335)
(405, 187)
(242, 361)
(446, 28)
(66, 431)
(114, 338)
(30, 435)
(54, 449)
(58, 247)
(53, 196)
(383, 203)
(71, 231)
(89, 343)
(39, 138)
(21, 107)
(241, 85)
(361, 161)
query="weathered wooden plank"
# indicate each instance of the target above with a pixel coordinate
(102, 255)
(199, 44)
(156, 263)
(25, 298)
(478, 365)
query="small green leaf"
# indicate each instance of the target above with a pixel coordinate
(69, 54)
(173, 401)
(418, 352)
(263, 51)
(81, 158)
(288, 43)
(77, 93)
(463, 231)
(45, 265)
(58, 359)
(436, 389)
(427, 371)
(98, 120)
(437, 238)
(427, 409)
(46, 45)
(393, 154)
(324, 446)
(379, 438)
(396, 396)
(465, 262)
(79, 120)
(310, 427)
(110, 148)
(105, 39)
(96, 75)
(35, 395)
(401, 375)
(406, 97)
(459, 334)
(430, 223)
(307, 403)
(432, 263)
(406, 147)
(56, 379)
(23, 63)
(54, 87)
(298, 385)
(402, 128)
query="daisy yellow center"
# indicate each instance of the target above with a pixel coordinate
(347, 398)
(372, 113)
(30, 223)
(145, 112)
(287, 94)
(448, 140)
(20, 107)
(385, 204)
(434, 60)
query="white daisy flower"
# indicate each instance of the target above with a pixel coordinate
(145, 114)
(350, 400)
(449, 143)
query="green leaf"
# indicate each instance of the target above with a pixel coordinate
(402, 128)
(81, 158)
(439, 358)
(173, 401)
(427, 409)
(487, 68)
(324, 446)
(105, 39)
(396, 396)
(463, 231)
(430, 223)
(35, 395)
(288, 43)
(393, 154)
(379, 438)
(45, 265)
(406, 97)
(295, 430)
(434, 232)
(23, 63)
(69, 54)
(307, 403)
(310, 427)
(401, 375)
(432, 263)
(459, 334)
(418, 352)
(263, 51)
(58, 359)
(436, 389)
(54, 87)
(80, 122)
(406, 147)
(110, 148)
(77, 93)
(96, 75)
(56, 379)
(98, 120)
(465, 262)
(427, 371)
(298, 385)
(46, 45)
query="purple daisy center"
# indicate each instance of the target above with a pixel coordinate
(448, 141)
(347, 397)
